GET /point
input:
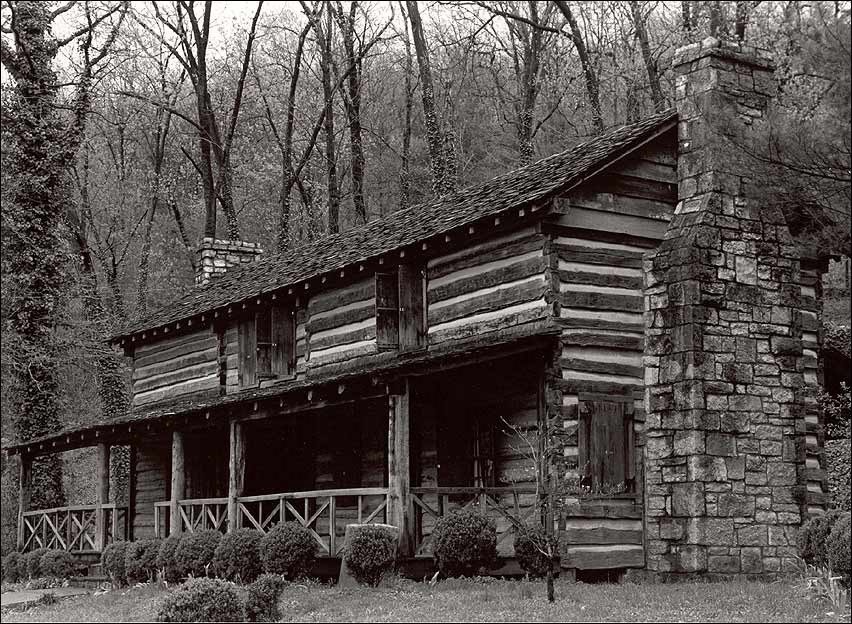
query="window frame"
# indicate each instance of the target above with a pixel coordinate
(400, 300)
(586, 443)
(280, 344)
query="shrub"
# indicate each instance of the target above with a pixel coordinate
(837, 546)
(112, 562)
(288, 549)
(23, 575)
(57, 564)
(531, 547)
(10, 567)
(371, 553)
(33, 560)
(465, 541)
(203, 600)
(837, 455)
(812, 537)
(195, 552)
(166, 559)
(262, 598)
(140, 560)
(237, 557)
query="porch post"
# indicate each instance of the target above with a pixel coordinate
(24, 494)
(236, 472)
(178, 483)
(399, 473)
(102, 495)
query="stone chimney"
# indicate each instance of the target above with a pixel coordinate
(724, 454)
(214, 257)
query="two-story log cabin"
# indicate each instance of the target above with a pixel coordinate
(495, 348)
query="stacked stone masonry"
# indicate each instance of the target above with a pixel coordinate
(216, 256)
(727, 373)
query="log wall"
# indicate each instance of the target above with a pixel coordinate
(173, 367)
(341, 324)
(150, 483)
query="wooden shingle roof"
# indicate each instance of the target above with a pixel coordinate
(512, 190)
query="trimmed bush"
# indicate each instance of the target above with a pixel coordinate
(837, 455)
(33, 559)
(166, 559)
(812, 537)
(23, 575)
(195, 552)
(288, 549)
(531, 547)
(203, 600)
(237, 557)
(140, 560)
(112, 562)
(465, 542)
(57, 564)
(371, 553)
(837, 546)
(262, 598)
(10, 567)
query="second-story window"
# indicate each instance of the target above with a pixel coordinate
(400, 308)
(267, 345)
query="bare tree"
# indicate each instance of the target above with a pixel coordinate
(650, 65)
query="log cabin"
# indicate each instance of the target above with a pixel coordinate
(620, 340)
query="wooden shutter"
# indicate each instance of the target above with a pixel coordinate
(248, 352)
(605, 459)
(265, 343)
(284, 341)
(412, 327)
(387, 311)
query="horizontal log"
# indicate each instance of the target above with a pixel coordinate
(334, 340)
(478, 256)
(655, 209)
(576, 386)
(612, 368)
(602, 279)
(496, 300)
(354, 315)
(603, 557)
(595, 320)
(482, 326)
(624, 187)
(606, 257)
(627, 342)
(210, 383)
(588, 219)
(167, 341)
(647, 169)
(602, 301)
(168, 366)
(602, 535)
(488, 279)
(554, 228)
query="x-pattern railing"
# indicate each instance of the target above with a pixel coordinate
(72, 528)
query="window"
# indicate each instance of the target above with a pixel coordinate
(605, 443)
(267, 345)
(400, 308)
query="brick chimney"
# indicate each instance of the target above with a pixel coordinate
(214, 257)
(724, 454)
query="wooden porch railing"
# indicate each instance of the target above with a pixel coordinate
(507, 506)
(196, 514)
(74, 528)
(325, 513)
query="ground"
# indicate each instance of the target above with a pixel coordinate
(488, 600)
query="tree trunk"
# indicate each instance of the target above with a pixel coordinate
(434, 135)
(404, 171)
(645, 47)
(589, 73)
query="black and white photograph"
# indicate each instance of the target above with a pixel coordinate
(425, 310)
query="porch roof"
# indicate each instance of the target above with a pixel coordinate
(521, 187)
(382, 367)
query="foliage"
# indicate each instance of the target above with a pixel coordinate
(371, 553)
(166, 559)
(113, 561)
(10, 566)
(812, 536)
(838, 545)
(195, 552)
(836, 409)
(237, 556)
(531, 549)
(203, 600)
(836, 456)
(465, 542)
(288, 549)
(33, 562)
(262, 597)
(140, 560)
(57, 564)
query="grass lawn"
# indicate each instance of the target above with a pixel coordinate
(487, 600)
